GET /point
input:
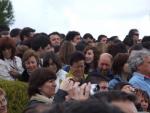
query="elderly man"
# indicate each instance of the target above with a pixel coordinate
(104, 67)
(139, 62)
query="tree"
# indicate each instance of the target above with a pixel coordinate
(6, 12)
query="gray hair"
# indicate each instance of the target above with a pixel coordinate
(136, 58)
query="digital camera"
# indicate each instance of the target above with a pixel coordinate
(94, 89)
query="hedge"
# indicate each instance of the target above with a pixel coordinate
(17, 97)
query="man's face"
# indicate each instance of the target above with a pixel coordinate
(76, 39)
(104, 63)
(77, 69)
(104, 40)
(125, 106)
(55, 40)
(145, 67)
(136, 37)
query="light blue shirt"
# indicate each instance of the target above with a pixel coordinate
(139, 81)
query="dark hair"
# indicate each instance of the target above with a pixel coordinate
(114, 39)
(146, 39)
(136, 47)
(120, 85)
(38, 78)
(7, 43)
(114, 96)
(90, 106)
(53, 57)
(26, 32)
(146, 45)
(15, 32)
(36, 108)
(54, 33)
(88, 35)
(132, 32)
(96, 54)
(39, 40)
(114, 49)
(118, 62)
(87, 106)
(146, 97)
(128, 40)
(71, 34)
(100, 37)
(80, 46)
(76, 56)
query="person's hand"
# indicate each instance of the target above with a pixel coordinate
(14, 73)
(66, 85)
(80, 92)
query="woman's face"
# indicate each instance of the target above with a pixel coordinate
(144, 103)
(52, 66)
(7, 53)
(89, 56)
(31, 64)
(126, 68)
(3, 104)
(48, 88)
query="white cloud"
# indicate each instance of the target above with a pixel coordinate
(109, 17)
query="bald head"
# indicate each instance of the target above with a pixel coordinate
(105, 61)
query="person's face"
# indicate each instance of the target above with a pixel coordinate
(88, 40)
(89, 56)
(136, 37)
(55, 40)
(125, 106)
(104, 63)
(48, 48)
(144, 104)
(52, 66)
(145, 67)
(103, 86)
(128, 89)
(31, 64)
(3, 104)
(76, 39)
(103, 40)
(31, 35)
(126, 68)
(48, 88)
(7, 53)
(77, 69)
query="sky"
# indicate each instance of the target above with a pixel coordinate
(108, 17)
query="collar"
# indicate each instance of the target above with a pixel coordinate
(41, 98)
(147, 76)
(141, 76)
(69, 74)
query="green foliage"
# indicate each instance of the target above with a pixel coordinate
(17, 97)
(6, 12)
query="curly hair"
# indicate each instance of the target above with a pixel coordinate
(136, 58)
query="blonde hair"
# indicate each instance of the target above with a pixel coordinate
(2, 92)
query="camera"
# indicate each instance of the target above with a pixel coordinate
(94, 89)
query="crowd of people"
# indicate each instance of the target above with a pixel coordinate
(77, 74)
